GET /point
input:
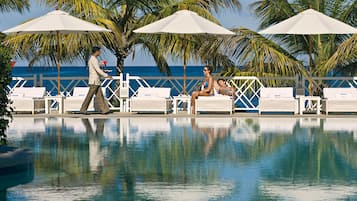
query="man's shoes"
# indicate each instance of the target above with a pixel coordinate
(83, 113)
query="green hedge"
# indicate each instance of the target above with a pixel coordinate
(5, 79)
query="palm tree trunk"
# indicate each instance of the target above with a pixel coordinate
(119, 70)
(120, 64)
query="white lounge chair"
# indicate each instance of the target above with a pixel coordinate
(278, 100)
(74, 103)
(28, 99)
(215, 103)
(339, 100)
(151, 100)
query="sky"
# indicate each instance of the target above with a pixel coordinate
(227, 17)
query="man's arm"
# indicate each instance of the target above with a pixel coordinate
(98, 70)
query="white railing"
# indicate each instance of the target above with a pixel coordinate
(247, 92)
(121, 88)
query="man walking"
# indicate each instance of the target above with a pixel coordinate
(94, 84)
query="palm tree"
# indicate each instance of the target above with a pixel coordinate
(5, 71)
(281, 54)
(123, 17)
(14, 5)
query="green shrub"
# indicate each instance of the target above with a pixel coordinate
(5, 79)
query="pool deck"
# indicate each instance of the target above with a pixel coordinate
(235, 115)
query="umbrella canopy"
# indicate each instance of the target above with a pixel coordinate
(184, 22)
(56, 22)
(310, 22)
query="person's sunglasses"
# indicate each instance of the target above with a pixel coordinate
(204, 70)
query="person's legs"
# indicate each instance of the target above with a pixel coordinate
(193, 101)
(195, 95)
(92, 90)
(102, 103)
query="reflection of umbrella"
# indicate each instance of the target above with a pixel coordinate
(56, 22)
(184, 22)
(310, 22)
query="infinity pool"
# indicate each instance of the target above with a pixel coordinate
(153, 158)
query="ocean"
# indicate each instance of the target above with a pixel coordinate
(76, 71)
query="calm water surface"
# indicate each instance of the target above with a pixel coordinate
(154, 158)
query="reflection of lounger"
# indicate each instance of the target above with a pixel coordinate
(214, 123)
(310, 122)
(144, 126)
(182, 121)
(277, 125)
(340, 125)
(19, 127)
(246, 129)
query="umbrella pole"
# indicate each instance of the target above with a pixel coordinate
(184, 67)
(310, 53)
(59, 63)
(310, 64)
(184, 77)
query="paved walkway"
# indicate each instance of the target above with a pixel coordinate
(239, 114)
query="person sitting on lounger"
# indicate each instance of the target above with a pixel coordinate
(224, 89)
(207, 86)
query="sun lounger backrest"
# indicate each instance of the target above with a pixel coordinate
(80, 91)
(340, 93)
(154, 92)
(277, 92)
(29, 92)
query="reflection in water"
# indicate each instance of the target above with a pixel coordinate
(16, 167)
(188, 159)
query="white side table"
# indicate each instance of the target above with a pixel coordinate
(313, 104)
(58, 99)
(182, 99)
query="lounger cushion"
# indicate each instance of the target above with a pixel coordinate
(280, 99)
(340, 93)
(29, 92)
(274, 93)
(154, 92)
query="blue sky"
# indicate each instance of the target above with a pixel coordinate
(228, 19)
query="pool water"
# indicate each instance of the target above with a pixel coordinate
(203, 158)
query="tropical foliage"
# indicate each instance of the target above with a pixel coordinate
(330, 52)
(5, 68)
(123, 17)
(253, 54)
(5, 79)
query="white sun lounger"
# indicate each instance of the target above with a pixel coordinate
(74, 103)
(278, 100)
(28, 99)
(339, 100)
(151, 100)
(215, 103)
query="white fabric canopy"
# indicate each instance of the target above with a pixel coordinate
(56, 21)
(310, 22)
(184, 22)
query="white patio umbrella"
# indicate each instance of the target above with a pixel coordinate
(56, 22)
(310, 22)
(184, 22)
